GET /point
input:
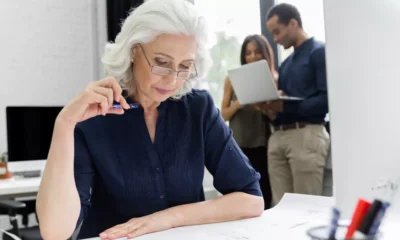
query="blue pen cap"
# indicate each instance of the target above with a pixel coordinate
(131, 105)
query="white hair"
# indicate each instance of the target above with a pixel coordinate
(152, 18)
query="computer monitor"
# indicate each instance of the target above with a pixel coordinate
(29, 131)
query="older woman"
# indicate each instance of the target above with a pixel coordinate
(133, 170)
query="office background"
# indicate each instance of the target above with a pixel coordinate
(39, 75)
(38, 86)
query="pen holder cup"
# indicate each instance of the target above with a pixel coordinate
(322, 233)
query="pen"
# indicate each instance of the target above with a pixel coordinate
(131, 105)
(358, 215)
(369, 218)
(334, 223)
(378, 219)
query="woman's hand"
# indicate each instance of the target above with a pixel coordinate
(259, 106)
(237, 105)
(136, 227)
(96, 99)
(264, 107)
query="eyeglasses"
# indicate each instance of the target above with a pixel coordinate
(164, 71)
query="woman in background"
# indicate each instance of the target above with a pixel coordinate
(249, 125)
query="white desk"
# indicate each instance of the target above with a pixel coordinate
(290, 219)
(15, 187)
(11, 188)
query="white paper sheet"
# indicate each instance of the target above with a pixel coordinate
(291, 217)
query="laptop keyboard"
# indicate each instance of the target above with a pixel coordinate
(27, 174)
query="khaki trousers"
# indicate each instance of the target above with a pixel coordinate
(296, 160)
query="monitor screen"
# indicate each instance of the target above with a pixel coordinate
(29, 131)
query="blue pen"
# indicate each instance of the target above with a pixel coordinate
(131, 105)
(334, 223)
(378, 219)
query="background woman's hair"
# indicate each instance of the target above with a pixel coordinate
(152, 18)
(263, 46)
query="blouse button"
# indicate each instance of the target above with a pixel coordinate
(161, 196)
(230, 149)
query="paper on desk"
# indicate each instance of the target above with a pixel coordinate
(291, 217)
(297, 201)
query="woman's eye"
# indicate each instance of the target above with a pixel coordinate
(184, 66)
(160, 62)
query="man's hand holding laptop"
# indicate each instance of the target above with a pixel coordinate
(270, 108)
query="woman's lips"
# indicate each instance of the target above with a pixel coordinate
(163, 91)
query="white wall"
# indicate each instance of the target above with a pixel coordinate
(47, 51)
(362, 50)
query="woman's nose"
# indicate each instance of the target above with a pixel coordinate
(171, 77)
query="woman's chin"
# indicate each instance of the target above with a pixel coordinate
(160, 98)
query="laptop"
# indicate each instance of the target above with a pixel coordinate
(253, 83)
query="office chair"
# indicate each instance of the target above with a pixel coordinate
(27, 233)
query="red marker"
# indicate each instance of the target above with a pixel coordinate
(358, 216)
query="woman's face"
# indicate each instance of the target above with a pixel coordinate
(175, 52)
(252, 53)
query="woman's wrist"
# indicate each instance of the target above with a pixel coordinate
(237, 105)
(175, 216)
(63, 123)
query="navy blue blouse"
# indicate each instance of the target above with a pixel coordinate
(120, 174)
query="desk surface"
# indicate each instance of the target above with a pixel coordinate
(290, 219)
(21, 187)
(29, 186)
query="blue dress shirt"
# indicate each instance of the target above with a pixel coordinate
(303, 74)
(120, 174)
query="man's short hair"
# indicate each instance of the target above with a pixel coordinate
(285, 12)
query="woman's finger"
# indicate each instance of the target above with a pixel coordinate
(104, 107)
(117, 111)
(107, 92)
(119, 233)
(111, 232)
(121, 230)
(90, 97)
(112, 83)
(124, 104)
(95, 98)
(137, 232)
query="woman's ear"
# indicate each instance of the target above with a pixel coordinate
(133, 50)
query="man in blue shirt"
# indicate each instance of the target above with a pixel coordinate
(299, 145)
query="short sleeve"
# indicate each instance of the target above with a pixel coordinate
(83, 172)
(227, 163)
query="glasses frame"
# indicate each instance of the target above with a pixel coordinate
(170, 71)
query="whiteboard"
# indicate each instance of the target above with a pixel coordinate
(49, 52)
(363, 67)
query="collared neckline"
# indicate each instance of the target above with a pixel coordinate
(161, 108)
(304, 44)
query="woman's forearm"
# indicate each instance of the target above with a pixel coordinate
(58, 203)
(228, 112)
(229, 207)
